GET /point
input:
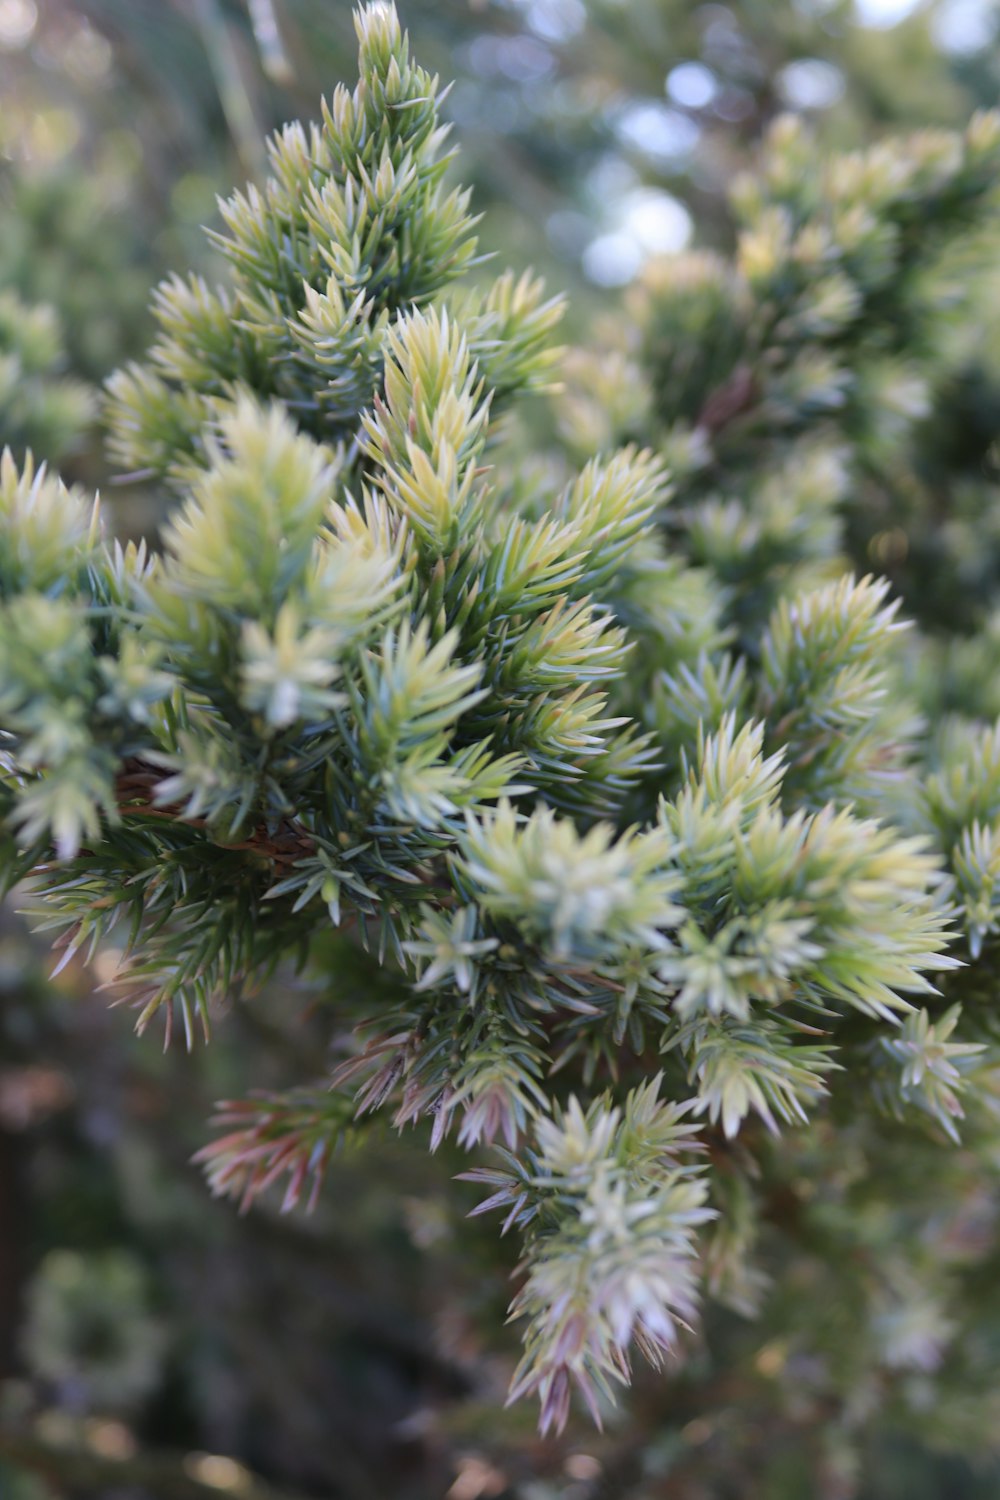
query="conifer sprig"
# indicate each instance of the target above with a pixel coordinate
(599, 808)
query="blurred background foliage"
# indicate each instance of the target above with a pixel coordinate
(152, 1344)
(594, 131)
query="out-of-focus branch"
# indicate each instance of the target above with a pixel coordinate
(167, 1475)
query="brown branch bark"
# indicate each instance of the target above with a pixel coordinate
(737, 395)
(135, 793)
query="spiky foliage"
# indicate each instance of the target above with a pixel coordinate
(355, 225)
(812, 395)
(813, 399)
(378, 681)
(796, 383)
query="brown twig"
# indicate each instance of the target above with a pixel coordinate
(736, 395)
(136, 787)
